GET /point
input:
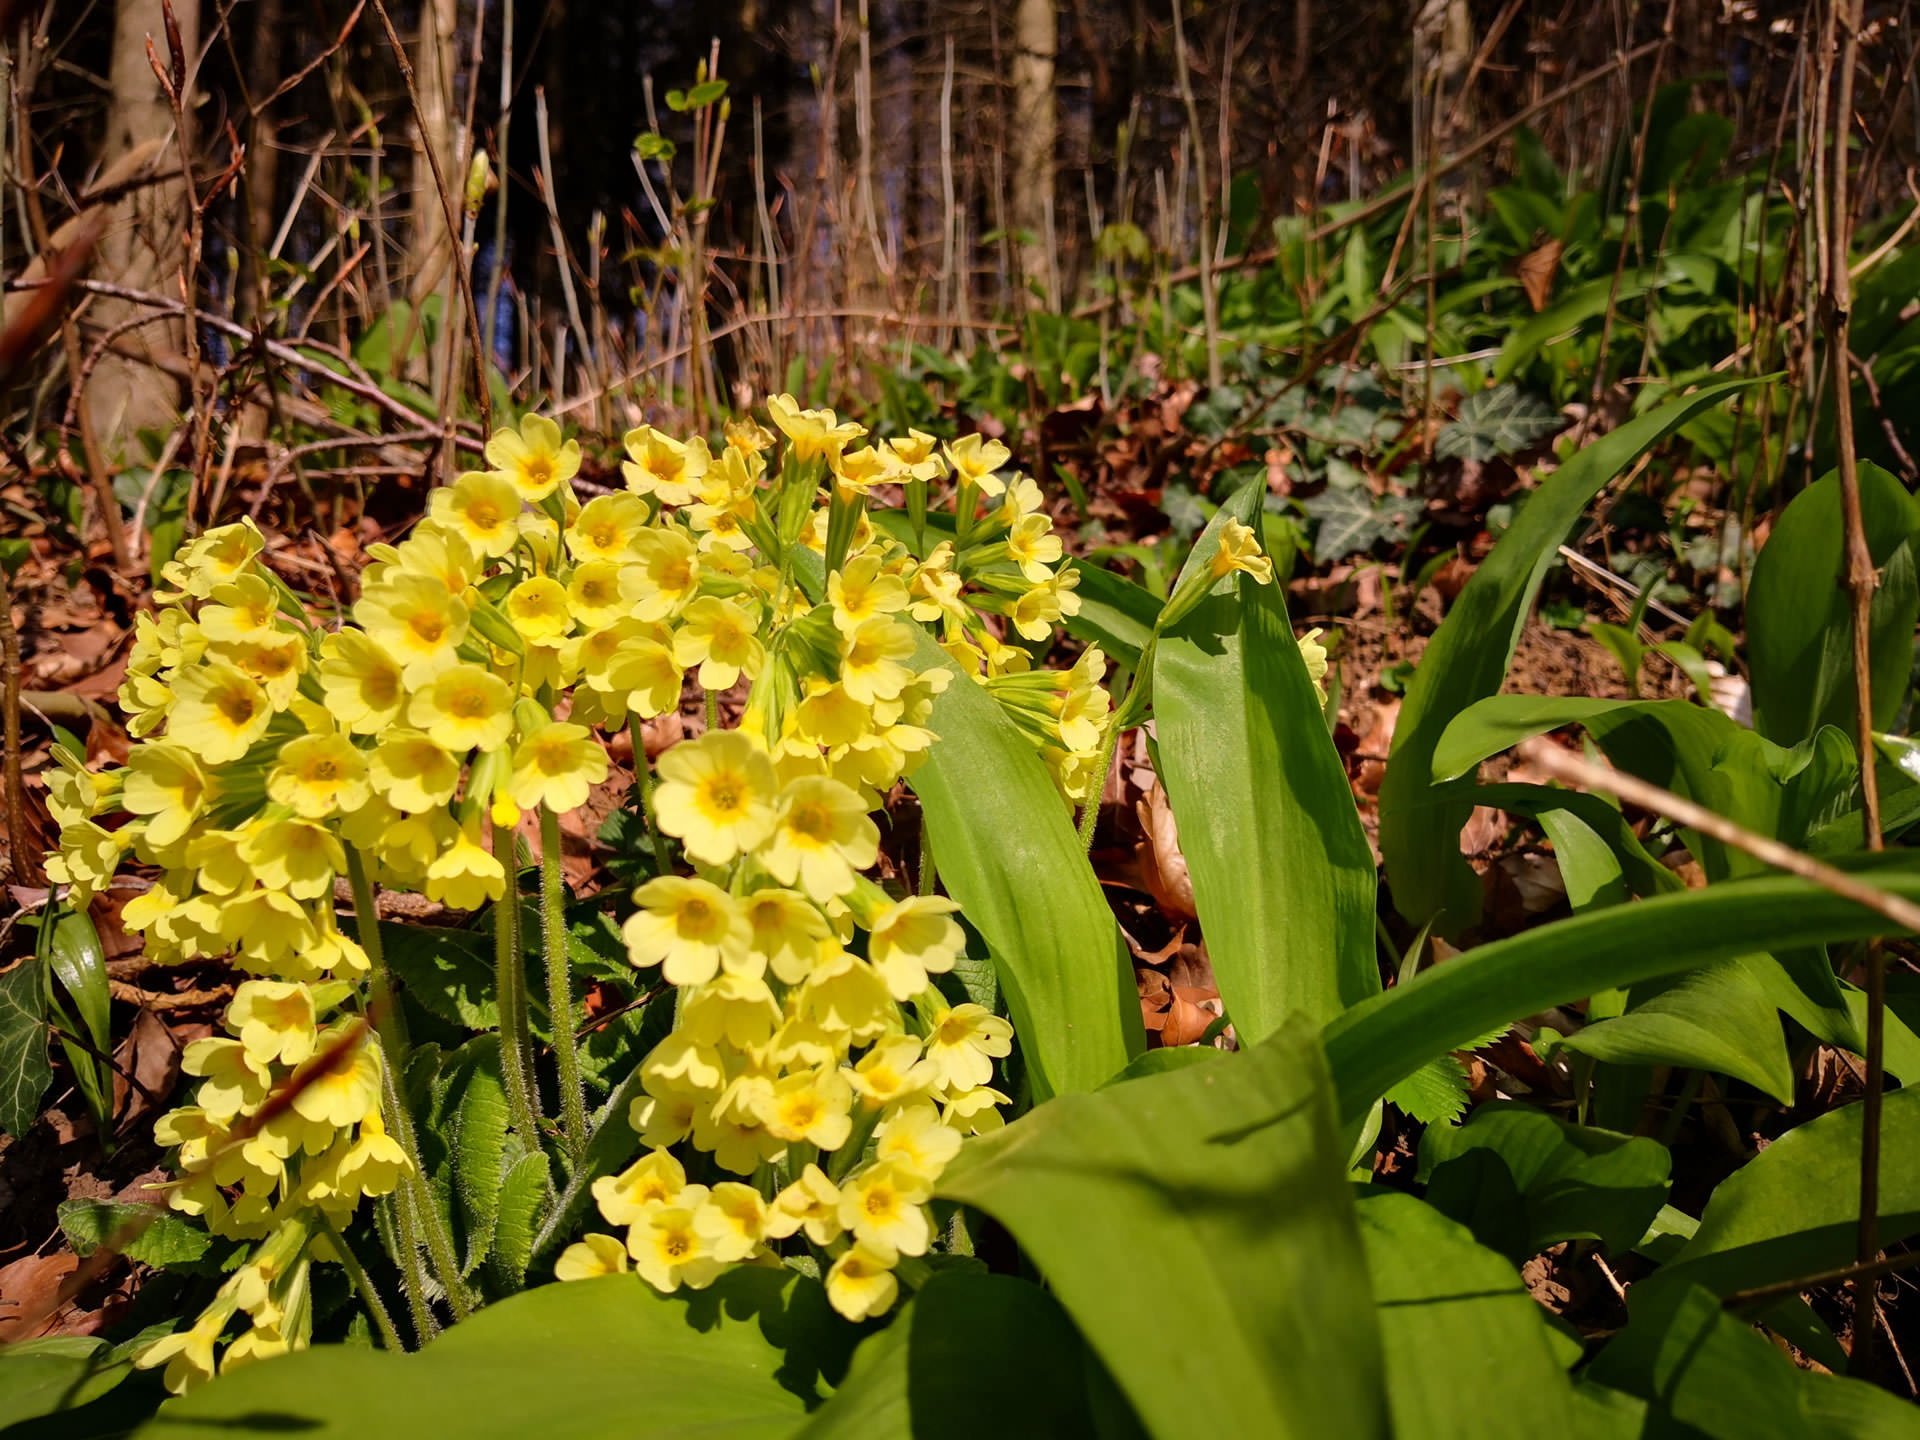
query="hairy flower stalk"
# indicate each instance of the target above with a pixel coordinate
(553, 916)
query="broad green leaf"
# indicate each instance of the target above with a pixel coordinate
(1571, 1182)
(1383, 1040)
(477, 1122)
(1799, 623)
(970, 1355)
(24, 1068)
(449, 972)
(168, 1239)
(1005, 844)
(1557, 810)
(1587, 301)
(1282, 875)
(526, 1189)
(1468, 658)
(1208, 1203)
(80, 965)
(56, 1375)
(1115, 614)
(1499, 421)
(744, 1358)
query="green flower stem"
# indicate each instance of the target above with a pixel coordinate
(553, 917)
(927, 877)
(362, 1282)
(413, 1266)
(643, 782)
(510, 985)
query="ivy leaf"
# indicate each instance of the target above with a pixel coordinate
(24, 1069)
(1352, 522)
(1500, 421)
(167, 1240)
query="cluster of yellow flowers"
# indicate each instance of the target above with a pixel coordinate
(277, 755)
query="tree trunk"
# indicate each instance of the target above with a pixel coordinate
(1036, 41)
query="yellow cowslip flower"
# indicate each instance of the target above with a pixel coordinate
(846, 997)
(913, 938)
(891, 1072)
(434, 550)
(668, 1252)
(75, 793)
(716, 795)
(415, 620)
(217, 712)
(1315, 655)
(722, 527)
(187, 1355)
(533, 458)
(813, 534)
(483, 509)
(590, 655)
(1084, 708)
(1033, 546)
(936, 589)
(830, 715)
(219, 868)
(881, 1209)
(269, 927)
(464, 708)
(214, 558)
(801, 1042)
(348, 1091)
(241, 609)
(860, 591)
(663, 467)
(812, 1203)
(1023, 498)
(810, 1106)
(740, 1148)
(685, 926)
(964, 1043)
(915, 1140)
(607, 527)
(654, 1180)
(861, 1284)
(274, 660)
(374, 1162)
(872, 660)
(731, 1221)
(232, 1082)
(274, 1020)
(290, 854)
(664, 1119)
(669, 573)
(1036, 613)
(318, 775)
(789, 932)
(1240, 550)
(591, 1258)
(466, 875)
(915, 451)
(165, 783)
(720, 637)
(87, 858)
(644, 672)
(678, 1064)
(975, 459)
(860, 470)
(360, 682)
(539, 610)
(597, 595)
(556, 765)
(821, 837)
(332, 950)
(972, 1112)
(412, 771)
(812, 433)
(748, 436)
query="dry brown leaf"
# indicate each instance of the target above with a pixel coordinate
(27, 1290)
(1163, 869)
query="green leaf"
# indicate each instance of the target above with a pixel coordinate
(1799, 624)
(1007, 851)
(80, 965)
(1571, 1182)
(525, 1192)
(612, 1145)
(1352, 522)
(1436, 1093)
(475, 1105)
(449, 972)
(168, 1239)
(1468, 658)
(1559, 812)
(1282, 875)
(1584, 302)
(741, 1359)
(1115, 613)
(55, 1376)
(1208, 1203)
(24, 1068)
(1383, 1040)
(1501, 421)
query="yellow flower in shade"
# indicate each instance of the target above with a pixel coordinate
(465, 875)
(663, 467)
(1240, 550)
(912, 939)
(483, 509)
(88, 856)
(242, 609)
(1041, 608)
(690, 925)
(557, 766)
(1315, 654)
(347, 1091)
(669, 572)
(972, 1112)
(360, 682)
(319, 774)
(465, 708)
(412, 772)
(1033, 546)
(270, 929)
(914, 1139)
(872, 660)
(540, 610)
(789, 932)
(881, 1208)
(669, 1252)
(741, 1148)
(664, 1119)
(679, 1064)
(964, 1044)
(233, 1083)
(860, 592)
(716, 795)
(274, 1020)
(644, 672)
(533, 459)
(737, 1009)
(718, 636)
(290, 854)
(596, 596)
(374, 1162)
(822, 836)
(731, 1221)
(811, 1106)
(811, 1203)
(166, 784)
(812, 433)
(607, 527)
(891, 1072)
(416, 621)
(188, 1355)
(861, 1284)
(1085, 706)
(846, 997)
(591, 1258)
(217, 712)
(975, 459)
(655, 1179)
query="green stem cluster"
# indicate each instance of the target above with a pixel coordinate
(553, 917)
